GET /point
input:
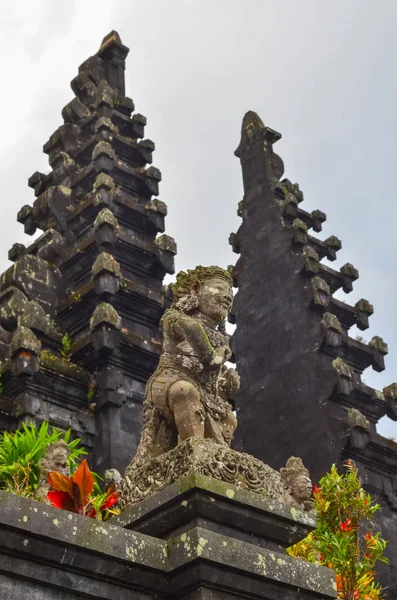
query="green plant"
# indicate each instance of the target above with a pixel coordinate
(66, 347)
(21, 451)
(91, 392)
(1, 386)
(341, 542)
(75, 494)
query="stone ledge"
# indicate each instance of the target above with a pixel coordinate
(59, 556)
(210, 546)
(243, 514)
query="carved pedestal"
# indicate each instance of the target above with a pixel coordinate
(206, 457)
(228, 543)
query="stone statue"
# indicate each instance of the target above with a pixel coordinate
(188, 422)
(297, 481)
(54, 459)
(187, 396)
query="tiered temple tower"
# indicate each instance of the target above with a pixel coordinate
(302, 391)
(80, 307)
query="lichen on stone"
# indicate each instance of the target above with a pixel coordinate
(106, 217)
(106, 262)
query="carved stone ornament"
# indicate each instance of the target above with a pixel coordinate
(297, 481)
(188, 422)
(55, 459)
(205, 457)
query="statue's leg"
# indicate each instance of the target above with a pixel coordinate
(185, 404)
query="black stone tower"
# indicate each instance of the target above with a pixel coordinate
(80, 307)
(302, 392)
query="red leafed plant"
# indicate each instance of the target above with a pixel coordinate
(76, 494)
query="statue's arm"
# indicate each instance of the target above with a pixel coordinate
(184, 327)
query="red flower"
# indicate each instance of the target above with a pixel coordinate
(316, 489)
(346, 525)
(111, 499)
(72, 492)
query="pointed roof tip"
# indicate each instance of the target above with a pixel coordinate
(111, 38)
(252, 127)
(252, 119)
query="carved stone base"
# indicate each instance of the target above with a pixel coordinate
(206, 457)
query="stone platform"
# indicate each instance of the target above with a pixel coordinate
(198, 539)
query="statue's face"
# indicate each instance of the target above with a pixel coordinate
(215, 298)
(60, 455)
(302, 488)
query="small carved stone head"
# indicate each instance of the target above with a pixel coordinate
(297, 480)
(58, 454)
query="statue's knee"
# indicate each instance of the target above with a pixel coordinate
(183, 392)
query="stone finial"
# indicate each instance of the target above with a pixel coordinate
(312, 260)
(104, 181)
(364, 306)
(104, 123)
(333, 244)
(355, 418)
(342, 368)
(75, 111)
(300, 232)
(321, 292)
(156, 205)
(390, 393)
(378, 344)
(106, 217)
(234, 242)
(16, 251)
(345, 383)
(318, 217)
(333, 329)
(166, 243)
(103, 148)
(330, 321)
(297, 480)
(24, 352)
(106, 262)
(105, 314)
(24, 341)
(289, 204)
(293, 189)
(349, 271)
(13, 304)
(364, 310)
(35, 317)
(55, 459)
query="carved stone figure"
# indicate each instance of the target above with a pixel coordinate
(54, 459)
(188, 422)
(187, 396)
(297, 482)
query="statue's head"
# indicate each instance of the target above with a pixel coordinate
(297, 479)
(60, 452)
(206, 289)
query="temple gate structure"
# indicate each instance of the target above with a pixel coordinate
(301, 387)
(80, 310)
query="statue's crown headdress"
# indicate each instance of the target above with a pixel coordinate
(187, 280)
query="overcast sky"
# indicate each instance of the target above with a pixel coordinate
(321, 72)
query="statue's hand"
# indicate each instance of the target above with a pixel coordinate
(220, 356)
(232, 384)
